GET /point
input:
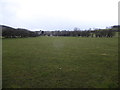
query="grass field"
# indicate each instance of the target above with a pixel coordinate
(60, 62)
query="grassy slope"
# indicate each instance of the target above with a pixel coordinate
(60, 62)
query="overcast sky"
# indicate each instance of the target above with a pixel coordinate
(58, 14)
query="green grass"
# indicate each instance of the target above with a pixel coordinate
(60, 62)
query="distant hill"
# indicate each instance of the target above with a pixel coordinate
(9, 32)
(116, 26)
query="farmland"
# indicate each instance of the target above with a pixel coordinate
(60, 62)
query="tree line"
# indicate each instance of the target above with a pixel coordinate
(9, 32)
(108, 32)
